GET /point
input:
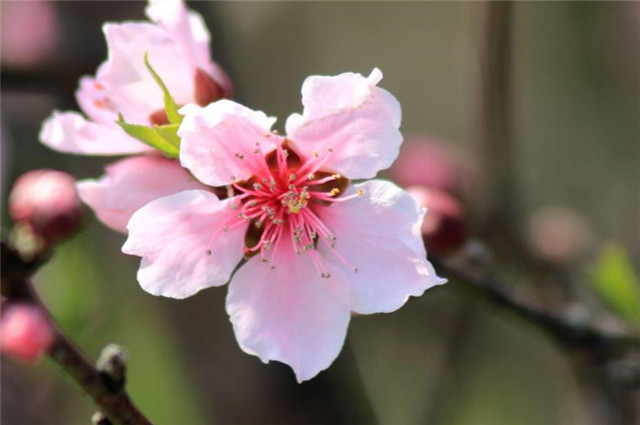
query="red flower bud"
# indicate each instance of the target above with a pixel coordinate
(25, 332)
(208, 90)
(46, 201)
(443, 228)
(424, 162)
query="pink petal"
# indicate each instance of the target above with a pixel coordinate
(289, 314)
(190, 32)
(184, 26)
(131, 183)
(182, 245)
(219, 141)
(349, 114)
(379, 234)
(70, 132)
(126, 76)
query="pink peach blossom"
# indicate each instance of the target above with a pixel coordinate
(25, 332)
(317, 248)
(177, 43)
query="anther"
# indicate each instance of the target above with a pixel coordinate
(325, 275)
(225, 228)
(292, 177)
(315, 154)
(329, 148)
(239, 156)
(257, 186)
(360, 191)
(334, 192)
(208, 252)
(311, 176)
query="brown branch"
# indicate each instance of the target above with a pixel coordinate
(104, 384)
(600, 343)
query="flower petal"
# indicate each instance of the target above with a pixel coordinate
(190, 32)
(131, 183)
(289, 314)
(379, 234)
(126, 75)
(351, 116)
(184, 26)
(219, 141)
(70, 132)
(182, 245)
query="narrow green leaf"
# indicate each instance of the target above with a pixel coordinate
(170, 133)
(169, 104)
(616, 282)
(153, 137)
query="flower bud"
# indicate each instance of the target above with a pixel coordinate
(208, 90)
(424, 162)
(443, 228)
(46, 201)
(558, 234)
(25, 332)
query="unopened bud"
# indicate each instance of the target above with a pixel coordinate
(159, 117)
(444, 228)
(426, 162)
(46, 201)
(25, 332)
(113, 364)
(558, 234)
(208, 90)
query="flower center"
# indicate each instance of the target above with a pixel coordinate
(281, 200)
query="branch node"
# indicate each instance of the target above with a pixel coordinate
(99, 418)
(112, 365)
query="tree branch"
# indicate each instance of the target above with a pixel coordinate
(602, 344)
(104, 384)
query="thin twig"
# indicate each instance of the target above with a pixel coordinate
(601, 343)
(108, 394)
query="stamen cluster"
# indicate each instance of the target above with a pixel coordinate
(280, 201)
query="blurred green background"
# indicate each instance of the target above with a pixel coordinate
(443, 358)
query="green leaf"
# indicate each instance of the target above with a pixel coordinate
(170, 133)
(169, 104)
(616, 282)
(163, 138)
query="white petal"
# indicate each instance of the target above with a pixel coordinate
(289, 314)
(379, 234)
(182, 246)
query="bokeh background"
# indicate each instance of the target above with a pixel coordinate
(444, 358)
